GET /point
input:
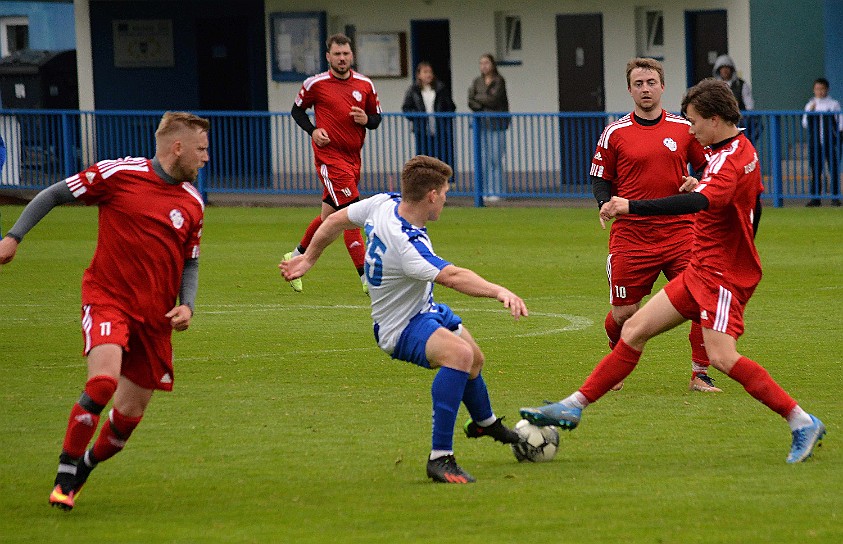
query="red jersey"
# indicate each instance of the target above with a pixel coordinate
(332, 99)
(724, 246)
(147, 229)
(645, 162)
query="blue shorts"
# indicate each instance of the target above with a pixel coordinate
(411, 345)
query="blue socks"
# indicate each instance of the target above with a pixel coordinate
(476, 400)
(447, 391)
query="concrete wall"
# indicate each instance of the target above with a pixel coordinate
(787, 51)
(532, 86)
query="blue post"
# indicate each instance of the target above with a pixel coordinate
(776, 158)
(478, 163)
(68, 146)
(201, 182)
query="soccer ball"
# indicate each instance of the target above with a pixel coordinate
(540, 443)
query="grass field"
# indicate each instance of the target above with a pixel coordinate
(287, 424)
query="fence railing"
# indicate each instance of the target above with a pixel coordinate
(516, 156)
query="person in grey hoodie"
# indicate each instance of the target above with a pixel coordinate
(724, 70)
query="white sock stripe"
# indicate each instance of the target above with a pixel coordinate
(67, 469)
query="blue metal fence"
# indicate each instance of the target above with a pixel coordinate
(541, 155)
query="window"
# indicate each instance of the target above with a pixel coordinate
(508, 37)
(14, 34)
(649, 27)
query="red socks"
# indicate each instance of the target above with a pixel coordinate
(113, 435)
(356, 247)
(85, 414)
(760, 385)
(353, 242)
(613, 330)
(698, 354)
(309, 232)
(614, 368)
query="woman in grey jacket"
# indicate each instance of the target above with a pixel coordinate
(488, 94)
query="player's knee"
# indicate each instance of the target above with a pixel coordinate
(462, 356)
(722, 360)
(477, 362)
(622, 313)
(634, 332)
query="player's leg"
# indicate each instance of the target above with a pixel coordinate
(678, 258)
(103, 374)
(700, 379)
(428, 341)
(807, 430)
(483, 420)
(630, 278)
(453, 356)
(654, 318)
(146, 366)
(104, 332)
(340, 182)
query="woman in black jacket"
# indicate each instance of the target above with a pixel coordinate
(434, 134)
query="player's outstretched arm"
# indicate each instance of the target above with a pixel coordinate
(470, 283)
(327, 232)
(34, 212)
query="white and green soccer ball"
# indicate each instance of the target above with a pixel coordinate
(540, 443)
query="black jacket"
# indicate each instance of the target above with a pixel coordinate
(413, 99)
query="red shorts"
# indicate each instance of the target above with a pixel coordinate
(632, 273)
(708, 303)
(339, 182)
(147, 354)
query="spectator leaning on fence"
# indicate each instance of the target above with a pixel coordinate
(824, 136)
(345, 105)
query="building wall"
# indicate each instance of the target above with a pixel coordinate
(532, 86)
(833, 25)
(50, 24)
(787, 52)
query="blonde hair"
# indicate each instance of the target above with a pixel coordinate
(173, 121)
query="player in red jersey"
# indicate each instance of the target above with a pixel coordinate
(718, 282)
(345, 104)
(645, 155)
(141, 285)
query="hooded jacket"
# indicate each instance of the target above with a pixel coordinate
(740, 88)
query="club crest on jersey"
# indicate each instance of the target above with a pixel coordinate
(357, 95)
(177, 218)
(670, 144)
(90, 176)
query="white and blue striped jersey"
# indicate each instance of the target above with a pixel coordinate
(400, 266)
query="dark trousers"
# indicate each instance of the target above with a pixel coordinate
(820, 154)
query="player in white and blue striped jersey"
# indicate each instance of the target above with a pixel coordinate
(401, 268)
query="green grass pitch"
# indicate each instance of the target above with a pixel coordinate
(287, 424)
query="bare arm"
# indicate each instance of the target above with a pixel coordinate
(327, 232)
(470, 283)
